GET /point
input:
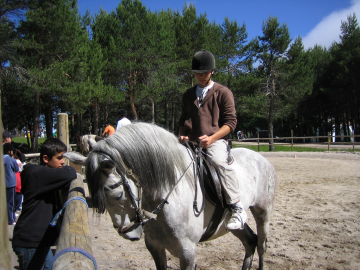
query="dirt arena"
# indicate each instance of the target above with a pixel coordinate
(315, 223)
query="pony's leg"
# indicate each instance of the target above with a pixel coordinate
(262, 217)
(188, 258)
(157, 252)
(249, 240)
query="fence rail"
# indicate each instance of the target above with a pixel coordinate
(74, 250)
(291, 140)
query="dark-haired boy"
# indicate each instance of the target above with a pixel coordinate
(123, 120)
(7, 137)
(33, 236)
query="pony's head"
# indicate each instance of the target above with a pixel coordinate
(153, 157)
(107, 191)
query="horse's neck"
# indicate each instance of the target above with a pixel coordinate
(184, 190)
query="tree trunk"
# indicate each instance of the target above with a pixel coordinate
(96, 119)
(229, 81)
(337, 129)
(353, 115)
(132, 103)
(78, 124)
(271, 119)
(36, 122)
(152, 111)
(172, 128)
(5, 261)
(345, 127)
(48, 122)
(72, 134)
(106, 114)
(166, 115)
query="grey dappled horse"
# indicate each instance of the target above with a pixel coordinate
(146, 180)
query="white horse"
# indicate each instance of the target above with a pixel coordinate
(85, 143)
(147, 181)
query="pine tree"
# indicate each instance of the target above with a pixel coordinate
(51, 35)
(234, 51)
(271, 48)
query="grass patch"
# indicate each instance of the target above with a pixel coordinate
(22, 144)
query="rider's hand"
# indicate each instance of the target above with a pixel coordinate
(181, 139)
(206, 141)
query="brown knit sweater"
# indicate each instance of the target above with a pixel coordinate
(218, 109)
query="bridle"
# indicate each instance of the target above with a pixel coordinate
(142, 216)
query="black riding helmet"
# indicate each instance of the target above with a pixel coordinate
(202, 62)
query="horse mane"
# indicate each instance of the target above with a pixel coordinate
(151, 152)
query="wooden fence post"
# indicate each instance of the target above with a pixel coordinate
(5, 262)
(63, 129)
(75, 232)
(353, 142)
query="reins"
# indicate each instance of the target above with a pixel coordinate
(200, 170)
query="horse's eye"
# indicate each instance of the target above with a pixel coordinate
(120, 195)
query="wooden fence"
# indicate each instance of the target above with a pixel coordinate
(289, 141)
(74, 250)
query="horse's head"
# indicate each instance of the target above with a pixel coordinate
(112, 191)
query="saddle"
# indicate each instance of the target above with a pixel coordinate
(212, 188)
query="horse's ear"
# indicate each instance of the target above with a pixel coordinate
(92, 142)
(75, 157)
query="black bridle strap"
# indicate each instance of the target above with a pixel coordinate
(140, 213)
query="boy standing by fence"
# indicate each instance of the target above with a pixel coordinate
(33, 236)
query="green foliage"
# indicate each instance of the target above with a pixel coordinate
(140, 60)
(273, 43)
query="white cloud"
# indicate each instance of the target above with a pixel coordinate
(328, 30)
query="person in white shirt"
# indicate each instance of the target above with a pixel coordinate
(123, 121)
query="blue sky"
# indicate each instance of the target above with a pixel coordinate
(316, 21)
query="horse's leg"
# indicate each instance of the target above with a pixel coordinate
(262, 217)
(188, 257)
(249, 240)
(157, 252)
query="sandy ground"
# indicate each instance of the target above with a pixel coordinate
(315, 223)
